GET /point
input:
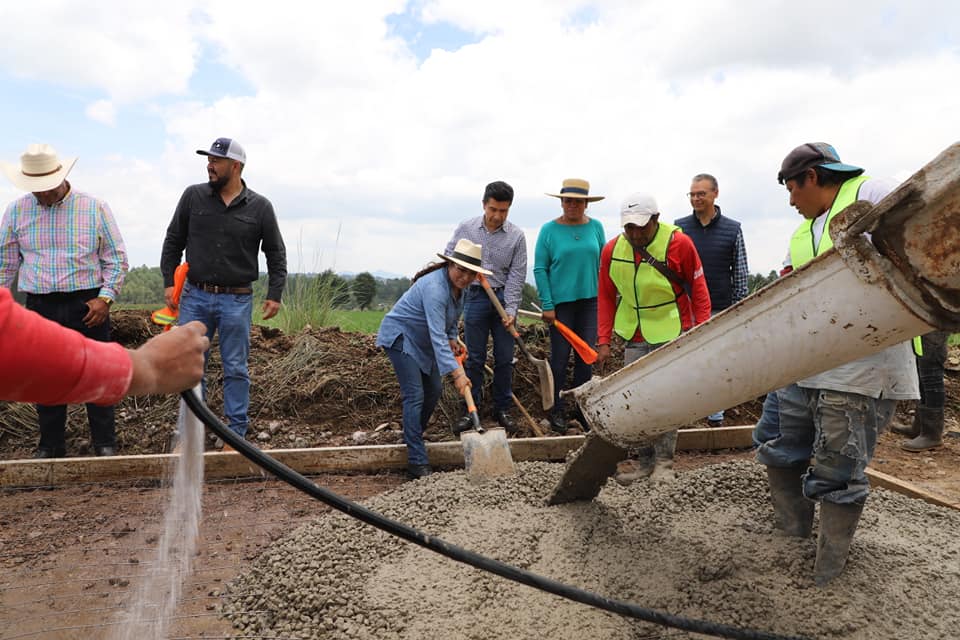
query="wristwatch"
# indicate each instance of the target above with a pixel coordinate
(106, 299)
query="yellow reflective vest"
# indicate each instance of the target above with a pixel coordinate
(802, 247)
(647, 299)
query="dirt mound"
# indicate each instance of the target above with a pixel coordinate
(320, 387)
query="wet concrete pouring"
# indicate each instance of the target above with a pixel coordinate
(700, 546)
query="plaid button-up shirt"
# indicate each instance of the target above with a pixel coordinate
(71, 246)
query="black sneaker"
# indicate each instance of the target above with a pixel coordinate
(506, 421)
(558, 424)
(463, 424)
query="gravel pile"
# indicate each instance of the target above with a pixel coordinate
(700, 546)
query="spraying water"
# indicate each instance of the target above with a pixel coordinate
(149, 616)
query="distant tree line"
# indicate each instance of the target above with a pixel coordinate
(144, 285)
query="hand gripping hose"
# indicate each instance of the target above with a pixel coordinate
(354, 510)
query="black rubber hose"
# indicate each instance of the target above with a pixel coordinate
(459, 554)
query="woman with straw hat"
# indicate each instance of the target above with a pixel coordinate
(419, 335)
(566, 264)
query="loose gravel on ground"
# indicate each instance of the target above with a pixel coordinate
(700, 546)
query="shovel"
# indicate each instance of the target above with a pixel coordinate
(542, 367)
(486, 453)
(585, 351)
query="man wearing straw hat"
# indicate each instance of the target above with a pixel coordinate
(72, 261)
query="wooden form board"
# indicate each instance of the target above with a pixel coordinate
(223, 465)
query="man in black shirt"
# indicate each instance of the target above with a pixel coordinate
(223, 225)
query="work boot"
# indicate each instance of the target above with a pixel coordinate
(463, 424)
(631, 470)
(663, 470)
(417, 471)
(911, 431)
(930, 434)
(792, 512)
(837, 524)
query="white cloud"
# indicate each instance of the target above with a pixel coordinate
(128, 50)
(102, 111)
(344, 128)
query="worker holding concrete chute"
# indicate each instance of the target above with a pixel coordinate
(651, 289)
(419, 335)
(834, 416)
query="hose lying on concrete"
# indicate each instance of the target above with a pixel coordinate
(459, 554)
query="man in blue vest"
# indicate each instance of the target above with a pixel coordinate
(719, 241)
(834, 416)
(651, 289)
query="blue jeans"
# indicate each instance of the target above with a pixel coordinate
(480, 319)
(581, 317)
(229, 315)
(838, 429)
(420, 393)
(768, 427)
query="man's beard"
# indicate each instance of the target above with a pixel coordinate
(218, 184)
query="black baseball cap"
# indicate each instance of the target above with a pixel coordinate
(813, 154)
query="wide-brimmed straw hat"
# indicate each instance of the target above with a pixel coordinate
(576, 188)
(467, 254)
(40, 169)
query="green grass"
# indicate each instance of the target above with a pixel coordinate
(954, 339)
(359, 321)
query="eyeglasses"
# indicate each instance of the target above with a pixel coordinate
(697, 194)
(462, 269)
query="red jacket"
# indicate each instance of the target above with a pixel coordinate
(43, 362)
(682, 258)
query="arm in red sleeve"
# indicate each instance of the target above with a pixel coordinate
(683, 258)
(43, 362)
(606, 296)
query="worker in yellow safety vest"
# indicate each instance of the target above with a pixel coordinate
(835, 416)
(651, 288)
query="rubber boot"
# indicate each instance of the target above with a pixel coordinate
(793, 513)
(837, 524)
(911, 431)
(931, 431)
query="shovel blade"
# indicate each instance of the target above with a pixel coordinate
(546, 382)
(486, 455)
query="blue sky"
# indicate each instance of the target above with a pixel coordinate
(385, 120)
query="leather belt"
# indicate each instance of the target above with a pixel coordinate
(216, 288)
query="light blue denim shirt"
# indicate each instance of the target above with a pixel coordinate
(426, 316)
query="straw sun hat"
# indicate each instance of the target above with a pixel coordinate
(576, 188)
(40, 169)
(467, 254)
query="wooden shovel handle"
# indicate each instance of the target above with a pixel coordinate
(496, 303)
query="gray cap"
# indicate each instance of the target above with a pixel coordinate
(226, 148)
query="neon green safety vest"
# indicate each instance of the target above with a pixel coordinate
(647, 299)
(802, 248)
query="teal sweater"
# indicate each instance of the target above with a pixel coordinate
(567, 261)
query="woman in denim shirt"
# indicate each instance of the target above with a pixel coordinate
(419, 335)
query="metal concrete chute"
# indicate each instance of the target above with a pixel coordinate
(894, 274)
